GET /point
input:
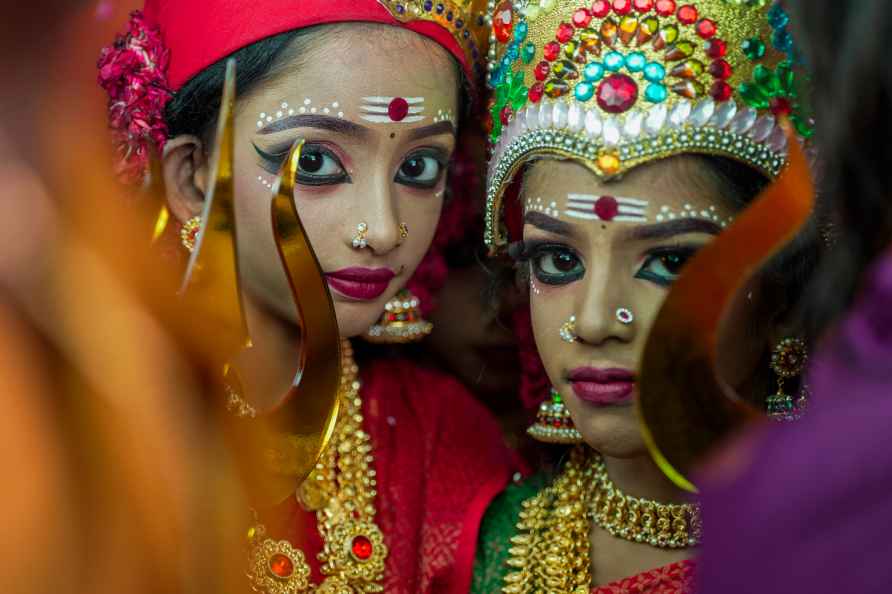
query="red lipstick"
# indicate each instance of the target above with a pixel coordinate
(603, 387)
(362, 284)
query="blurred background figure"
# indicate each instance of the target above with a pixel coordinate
(806, 507)
(116, 482)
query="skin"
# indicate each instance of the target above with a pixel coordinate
(356, 171)
(597, 267)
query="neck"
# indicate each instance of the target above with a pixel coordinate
(640, 477)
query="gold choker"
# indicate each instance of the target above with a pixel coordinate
(551, 552)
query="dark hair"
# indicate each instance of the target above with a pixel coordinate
(193, 109)
(854, 93)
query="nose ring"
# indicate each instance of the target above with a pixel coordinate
(568, 330)
(359, 240)
(625, 316)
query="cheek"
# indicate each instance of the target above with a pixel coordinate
(421, 215)
(550, 308)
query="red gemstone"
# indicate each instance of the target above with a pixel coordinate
(721, 91)
(716, 48)
(622, 7)
(542, 70)
(536, 91)
(362, 548)
(606, 208)
(706, 28)
(720, 69)
(617, 93)
(551, 50)
(600, 8)
(643, 5)
(565, 32)
(582, 17)
(503, 22)
(398, 109)
(781, 106)
(687, 14)
(505, 115)
(665, 7)
(281, 565)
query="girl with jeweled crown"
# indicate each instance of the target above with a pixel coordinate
(627, 135)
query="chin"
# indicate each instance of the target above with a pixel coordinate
(613, 432)
(356, 318)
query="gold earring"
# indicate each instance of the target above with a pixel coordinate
(359, 240)
(189, 233)
(401, 321)
(554, 423)
(787, 361)
(568, 330)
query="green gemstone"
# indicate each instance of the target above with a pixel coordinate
(519, 97)
(767, 79)
(555, 397)
(753, 95)
(754, 48)
(528, 52)
(786, 78)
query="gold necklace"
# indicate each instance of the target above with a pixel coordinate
(551, 551)
(341, 490)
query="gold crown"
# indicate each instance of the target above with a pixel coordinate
(617, 83)
(466, 20)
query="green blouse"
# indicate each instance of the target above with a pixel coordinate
(498, 526)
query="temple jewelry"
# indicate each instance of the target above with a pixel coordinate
(359, 240)
(341, 490)
(787, 361)
(625, 316)
(606, 208)
(568, 330)
(189, 233)
(554, 423)
(663, 525)
(392, 110)
(401, 321)
(551, 550)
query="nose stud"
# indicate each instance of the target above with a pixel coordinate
(359, 240)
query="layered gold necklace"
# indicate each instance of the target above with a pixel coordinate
(341, 490)
(551, 551)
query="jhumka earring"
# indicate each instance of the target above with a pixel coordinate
(787, 361)
(553, 422)
(359, 240)
(189, 233)
(568, 330)
(401, 321)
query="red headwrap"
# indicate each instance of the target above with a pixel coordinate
(199, 33)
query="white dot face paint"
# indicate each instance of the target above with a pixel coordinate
(623, 209)
(392, 110)
(285, 110)
(539, 205)
(445, 115)
(668, 213)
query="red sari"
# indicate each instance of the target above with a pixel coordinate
(676, 578)
(440, 460)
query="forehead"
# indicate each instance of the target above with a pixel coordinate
(361, 70)
(678, 184)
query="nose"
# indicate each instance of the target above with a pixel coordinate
(599, 318)
(377, 225)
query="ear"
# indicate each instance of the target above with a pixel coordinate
(185, 171)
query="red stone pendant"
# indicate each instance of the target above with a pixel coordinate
(362, 548)
(281, 566)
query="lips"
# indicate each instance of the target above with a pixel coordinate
(362, 284)
(603, 387)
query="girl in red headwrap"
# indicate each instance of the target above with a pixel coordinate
(376, 89)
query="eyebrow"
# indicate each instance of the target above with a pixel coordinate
(318, 122)
(445, 127)
(673, 228)
(547, 223)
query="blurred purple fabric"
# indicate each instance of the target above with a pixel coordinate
(813, 512)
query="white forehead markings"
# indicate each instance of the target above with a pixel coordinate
(667, 213)
(444, 115)
(606, 208)
(392, 110)
(285, 110)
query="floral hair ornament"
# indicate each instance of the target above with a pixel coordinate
(133, 72)
(613, 84)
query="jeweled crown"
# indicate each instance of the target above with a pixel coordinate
(466, 20)
(617, 83)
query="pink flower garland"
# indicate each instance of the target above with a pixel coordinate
(133, 71)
